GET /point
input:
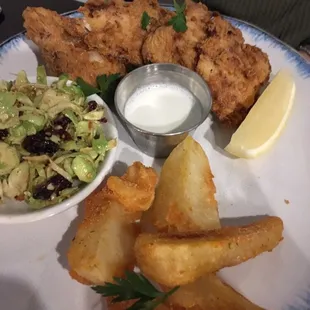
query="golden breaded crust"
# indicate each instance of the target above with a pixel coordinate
(185, 195)
(61, 42)
(159, 46)
(103, 245)
(116, 27)
(166, 45)
(234, 71)
(135, 189)
(110, 37)
(209, 292)
(214, 48)
(197, 16)
(181, 258)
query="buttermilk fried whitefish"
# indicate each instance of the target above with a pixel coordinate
(181, 258)
(103, 245)
(234, 71)
(109, 37)
(115, 27)
(167, 45)
(188, 165)
(62, 46)
(135, 190)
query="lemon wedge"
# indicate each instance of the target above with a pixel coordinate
(264, 123)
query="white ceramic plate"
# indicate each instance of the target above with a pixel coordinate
(13, 211)
(33, 272)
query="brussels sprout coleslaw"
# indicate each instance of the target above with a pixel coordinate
(51, 139)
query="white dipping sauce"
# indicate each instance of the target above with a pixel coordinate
(162, 108)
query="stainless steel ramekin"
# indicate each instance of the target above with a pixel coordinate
(155, 144)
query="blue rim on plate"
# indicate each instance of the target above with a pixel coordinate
(257, 34)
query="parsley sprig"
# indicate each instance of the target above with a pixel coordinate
(145, 20)
(178, 21)
(134, 287)
(106, 85)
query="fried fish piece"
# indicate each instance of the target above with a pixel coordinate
(103, 245)
(215, 49)
(221, 35)
(185, 195)
(234, 71)
(167, 45)
(159, 46)
(134, 190)
(181, 258)
(197, 16)
(61, 43)
(115, 27)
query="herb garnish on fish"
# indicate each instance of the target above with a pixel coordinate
(145, 20)
(178, 22)
(134, 287)
(106, 85)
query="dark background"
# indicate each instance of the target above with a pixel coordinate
(288, 20)
(11, 21)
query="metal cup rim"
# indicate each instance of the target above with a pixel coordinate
(169, 134)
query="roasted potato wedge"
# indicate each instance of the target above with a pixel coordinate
(209, 292)
(102, 248)
(103, 245)
(182, 258)
(124, 305)
(184, 199)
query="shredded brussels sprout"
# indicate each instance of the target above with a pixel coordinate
(51, 139)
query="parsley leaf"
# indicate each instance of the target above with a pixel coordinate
(106, 85)
(134, 286)
(145, 20)
(178, 8)
(86, 88)
(104, 81)
(178, 22)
